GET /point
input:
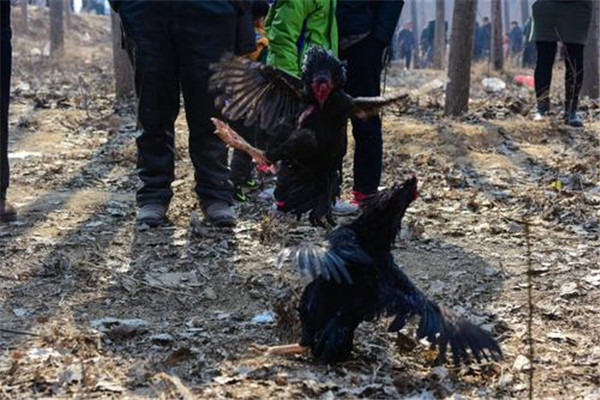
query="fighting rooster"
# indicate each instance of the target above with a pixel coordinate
(305, 119)
(356, 279)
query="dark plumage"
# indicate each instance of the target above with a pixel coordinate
(305, 119)
(356, 279)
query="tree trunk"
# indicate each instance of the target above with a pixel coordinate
(591, 58)
(24, 17)
(123, 69)
(524, 11)
(506, 10)
(497, 50)
(416, 30)
(461, 52)
(68, 14)
(57, 30)
(439, 42)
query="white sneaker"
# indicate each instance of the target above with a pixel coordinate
(538, 117)
(343, 207)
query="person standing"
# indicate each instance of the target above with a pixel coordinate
(174, 42)
(7, 211)
(515, 36)
(407, 41)
(485, 37)
(241, 162)
(567, 21)
(366, 29)
(294, 26)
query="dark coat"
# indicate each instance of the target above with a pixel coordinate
(566, 21)
(516, 39)
(244, 35)
(379, 18)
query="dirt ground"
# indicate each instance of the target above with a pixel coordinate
(506, 231)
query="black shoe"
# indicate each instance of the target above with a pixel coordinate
(152, 214)
(8, 213)
(220, 214)
(573, 120)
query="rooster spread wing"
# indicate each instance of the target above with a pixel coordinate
(329, 263)
(255, 92)
(364, 107)
(400, 298)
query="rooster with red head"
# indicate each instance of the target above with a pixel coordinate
(305, 119)
(356, 280)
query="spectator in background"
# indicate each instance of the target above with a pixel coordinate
(173, 44)
(241, 162)
(568, 22)
(427, 38)
(515, 36)
(485, 37)
(366, 29)
(406, 37)
(7, 211)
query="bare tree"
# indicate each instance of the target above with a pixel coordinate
(57, 30)
(439, 42)
(497, 50)
(591, 58)
(416, 29)
(461, 52)
(24, 16)
(524, 11)
(123, 69)
(506, 9)
(69, 14)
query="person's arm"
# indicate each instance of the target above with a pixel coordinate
(284, 26)
(386, 14)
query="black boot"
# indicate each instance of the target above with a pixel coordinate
(571, 117)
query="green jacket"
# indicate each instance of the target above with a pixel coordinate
(293, 26)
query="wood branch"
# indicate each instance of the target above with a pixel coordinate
(287, 349)
(236, 141)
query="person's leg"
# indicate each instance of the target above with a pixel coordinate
(201, 37)
(408, 58)
(146, 23)
(573, 82)
(364, 73)
(543, 74)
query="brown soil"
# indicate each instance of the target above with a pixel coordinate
(75, 256)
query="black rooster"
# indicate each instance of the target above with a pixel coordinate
(305, 119)
(356, 279)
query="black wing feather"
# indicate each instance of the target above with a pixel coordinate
(253, 91)
(399, 297)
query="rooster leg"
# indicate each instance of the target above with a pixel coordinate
(287, 349)
(235, 141)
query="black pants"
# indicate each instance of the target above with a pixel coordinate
(5, 70)
(407, 56)
(174, 43)
(546, 53)
(364, 75)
